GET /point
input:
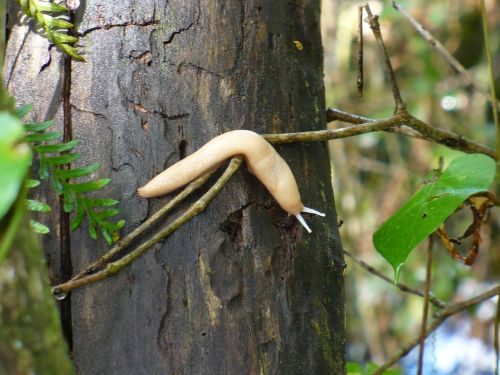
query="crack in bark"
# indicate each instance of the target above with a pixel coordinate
(177, 32)
(199, 69)
(115, 25)
(64, 219)
(87, 111)
(138, 107)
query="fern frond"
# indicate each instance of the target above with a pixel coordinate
(53, 166)
(50, 17)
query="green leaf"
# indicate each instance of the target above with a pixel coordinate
(43, 170)
(62, 159)
(77, 219)
(71, 51)
(23, 110)
(55, 22)
(38, 126)
(437, 199)
(105, 202)
(30, 184)
(106, 214)
(355, 369)
(119, 225)
(45, 6)
(69, 201)
(58, 147)
(92, 230)
(43, 137)
(15, 158)
(78, 172)
(89, 186)
(39, 227)
(107, 236)
(34, 205)
(60, 38)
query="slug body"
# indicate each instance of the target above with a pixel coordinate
(262, 160)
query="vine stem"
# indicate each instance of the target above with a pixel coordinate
(114, 267)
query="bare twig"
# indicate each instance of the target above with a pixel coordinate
(404, 288)
(123, 243)
(392, 124)
(427, 288)
(114, 267)
(389, 71)
(441, 316)
(360, 81)
(442, 50)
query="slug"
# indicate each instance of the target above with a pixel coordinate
(263, 162)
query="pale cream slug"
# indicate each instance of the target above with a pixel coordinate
(262, 159)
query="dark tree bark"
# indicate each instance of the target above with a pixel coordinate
(242, 288)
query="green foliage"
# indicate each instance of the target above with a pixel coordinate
(54, 167)
(50, 17)
(15, 159)
(354, 368)
(439, 196)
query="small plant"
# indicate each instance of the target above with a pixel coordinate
(55, 158)
(52, 18)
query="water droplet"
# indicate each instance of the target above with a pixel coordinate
(398, 271)
(59, 294)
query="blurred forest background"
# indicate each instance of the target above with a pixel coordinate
(374, 173)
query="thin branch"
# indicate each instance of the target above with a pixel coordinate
(360, 80)
(443, 51)
(392, 124)
(489, 60)
(404, 288)
(122, 244)
(427, 288)
(372, 20)
(441, 316)
(114, 267)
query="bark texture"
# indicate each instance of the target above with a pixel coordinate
(31, 341)
(242, 288)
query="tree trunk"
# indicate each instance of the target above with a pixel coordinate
(31, 341)
(242, 288)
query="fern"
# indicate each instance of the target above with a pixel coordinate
(50, 17)
(53, 164)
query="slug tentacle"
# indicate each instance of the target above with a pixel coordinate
(262, 159)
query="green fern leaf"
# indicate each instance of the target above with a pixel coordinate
(84, 187)
(78, 172)
(37, 206)
(31, 183)
(62, 159)
(39, 227)
(38, 126)
(43, 137)
(55, 148)
(23, 110)
(45, 6)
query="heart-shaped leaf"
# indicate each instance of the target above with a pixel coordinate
(438, 198)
